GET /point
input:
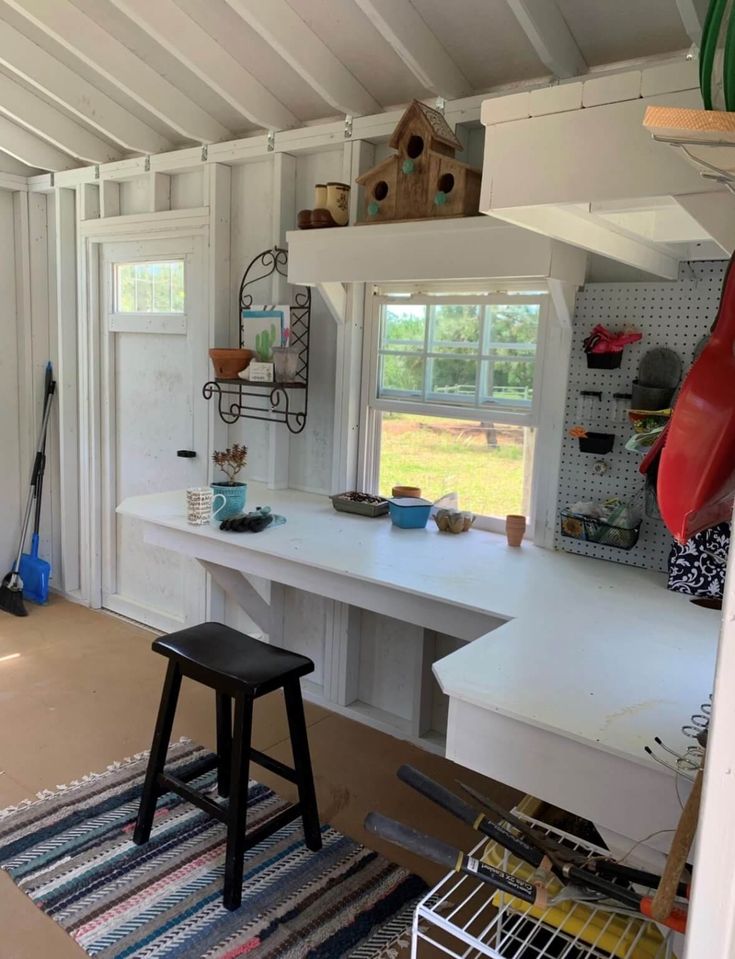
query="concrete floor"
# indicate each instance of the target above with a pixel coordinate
(84, 692)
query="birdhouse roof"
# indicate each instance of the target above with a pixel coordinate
(440, 129)
(368, 175)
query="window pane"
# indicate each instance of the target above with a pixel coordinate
(404, 327)
(509, 381)
(162, 288)
(143, 292)
(402, 373)
(453, 379)
(489, 466)
(154, 287)
(515, 324)
(455, 329)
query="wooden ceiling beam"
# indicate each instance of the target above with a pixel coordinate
(10, 166)
(32, 150)
(692, 14)
(82, 36)
(196, 50)
(27, 60)
(25, 108)
(296, 43)
(550, 37)
(402, 27)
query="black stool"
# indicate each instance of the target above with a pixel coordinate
(236, 667)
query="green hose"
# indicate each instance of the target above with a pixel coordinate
(728, 66)
(705, 62)
(710, 36)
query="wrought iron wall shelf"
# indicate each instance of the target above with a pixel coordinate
(271, 402)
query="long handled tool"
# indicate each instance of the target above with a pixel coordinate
(440, 852)
(35, 572)
(555, 858)
(602, 867)
(11, 590)
(534, 893)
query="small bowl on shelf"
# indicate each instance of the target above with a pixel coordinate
(413, 491)
(409, 512)
(228, 363)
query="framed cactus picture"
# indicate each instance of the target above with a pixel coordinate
(262, 328)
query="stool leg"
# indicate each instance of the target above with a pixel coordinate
(302, 765)
(238, 805)
(157, 758)
(224, 743)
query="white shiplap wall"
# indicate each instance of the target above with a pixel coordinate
(11, 469)
(676, 315)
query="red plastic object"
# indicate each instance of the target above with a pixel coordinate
(696, 477)
(601, 340)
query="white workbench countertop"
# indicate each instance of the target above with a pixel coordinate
(594, 651)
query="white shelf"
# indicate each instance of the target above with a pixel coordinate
(481, 247)
(460, 917)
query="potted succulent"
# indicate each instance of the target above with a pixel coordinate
(230, 461)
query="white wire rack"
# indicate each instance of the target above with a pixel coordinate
(459, 918)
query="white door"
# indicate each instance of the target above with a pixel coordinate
(154, 363)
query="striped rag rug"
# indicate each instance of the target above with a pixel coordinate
(71, 851)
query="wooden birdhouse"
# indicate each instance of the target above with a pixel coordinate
(422, 179)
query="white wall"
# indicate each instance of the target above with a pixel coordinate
(11, 469)
(253, 196)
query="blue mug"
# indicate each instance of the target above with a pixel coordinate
(234, 500)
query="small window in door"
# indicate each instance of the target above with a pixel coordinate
(155, 286)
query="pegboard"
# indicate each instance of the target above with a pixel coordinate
(676, 315)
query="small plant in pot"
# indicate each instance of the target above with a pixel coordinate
(230, 461)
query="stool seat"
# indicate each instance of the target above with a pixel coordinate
(218, 656)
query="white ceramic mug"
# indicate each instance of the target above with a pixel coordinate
(199, 503)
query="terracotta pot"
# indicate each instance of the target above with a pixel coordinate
(515, 527)
(406, 491)
(228, 363)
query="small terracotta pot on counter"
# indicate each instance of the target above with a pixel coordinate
(413, 491)
(515, 528)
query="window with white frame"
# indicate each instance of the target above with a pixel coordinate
(151, 286)
(452, 394)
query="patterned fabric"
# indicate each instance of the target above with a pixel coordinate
(698, 568)
(72, 853)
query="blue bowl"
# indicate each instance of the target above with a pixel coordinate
(408, 512)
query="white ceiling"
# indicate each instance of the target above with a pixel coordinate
(89, 81)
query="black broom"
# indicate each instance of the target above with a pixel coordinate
(11, 591)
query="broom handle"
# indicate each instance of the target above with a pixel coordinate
(37, 467)
(38, 486)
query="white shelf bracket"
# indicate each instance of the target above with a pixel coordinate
(335, 296)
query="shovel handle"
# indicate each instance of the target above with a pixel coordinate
(663, 901)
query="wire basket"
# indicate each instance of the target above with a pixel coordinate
(466, 919)
(590, 529)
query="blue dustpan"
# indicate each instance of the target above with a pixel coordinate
(35, 574)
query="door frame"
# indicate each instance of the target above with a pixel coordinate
(95, 360)
(191, 250)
